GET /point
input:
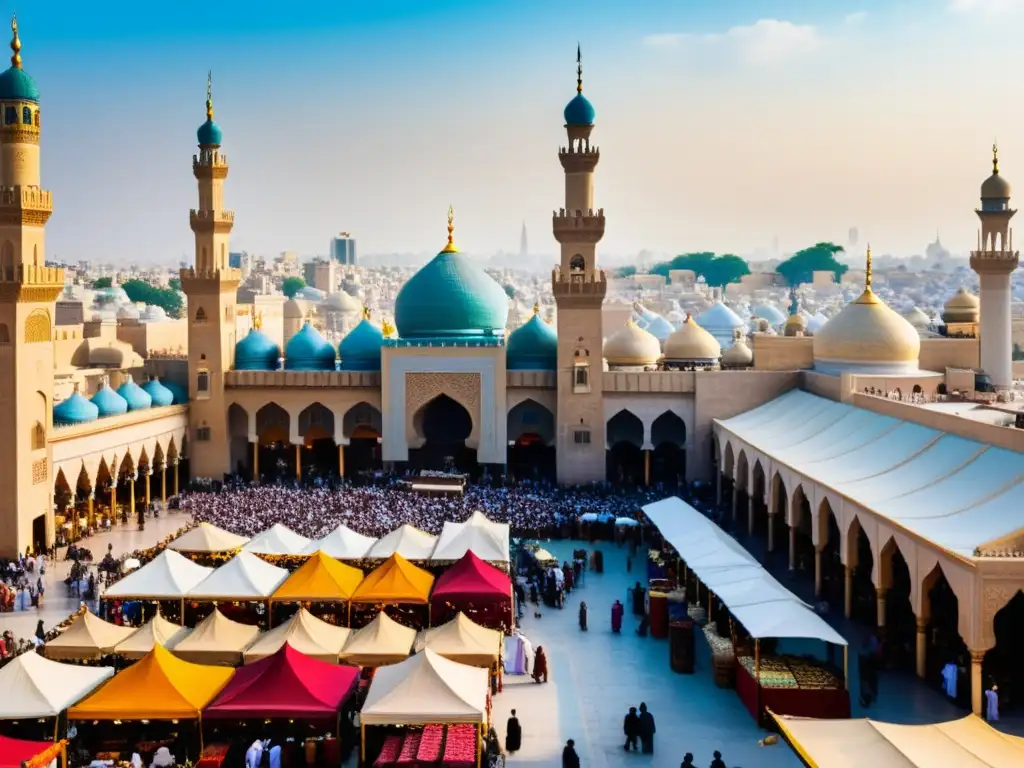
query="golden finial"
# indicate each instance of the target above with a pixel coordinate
(366, 312)
(387, 328)
(579, 69)
(995, 158)
(257, 321)
(450, 247)
(536, 308)
(867, 271)
(209, 95)
(15, 44)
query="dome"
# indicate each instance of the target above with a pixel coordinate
(739, 355)
(533, 346)
(108, 402)
(309, 293)
(360, 349)
(690, 343)
(256, 352)
(633, 346)
(868, 336)
(795, 324)
(579, 111)
(179, 392)
(962, 307)
(160, 395)
(815, 322)
(772, 314)
(660, 328)
(917, 318)
(995, 187)
(137, 398)
(15, 83)
(209, 134)
(719, 316)
(307, 350)
(343, 302)
(74, 410)
(153, 314)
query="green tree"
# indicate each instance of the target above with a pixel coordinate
(627, 271)
(510, 290)
(174, 283)
(820, 257)
(292, 285)
(102, 282)
(1018, 353)
(716, 270)
(167, 299)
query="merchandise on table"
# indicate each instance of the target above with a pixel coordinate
(460, 745)
(389, 752)
(431, 740)
(792, 672)
(410, 748)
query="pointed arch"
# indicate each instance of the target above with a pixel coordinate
(530, 421)
(625, 427)
(362, 420)
(316, 422)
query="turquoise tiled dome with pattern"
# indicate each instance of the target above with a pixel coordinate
(360, 349)
(109, 402)
(137, 398)
(74, 410)
(533, 346)
(307, 350)
(256, 352)
(161, 395)
(179, 392)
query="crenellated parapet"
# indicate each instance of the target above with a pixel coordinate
(25, 206)
(999, 262)
(201, 280)
(218, 222)
(210, 164)
(578, 226)
(579, 159)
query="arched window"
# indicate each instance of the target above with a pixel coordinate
(5, 334)
(10, 116)
(203, 382)
(35, 118)
(200, 315)
(577, 263)
(38, 437)
(26, 115)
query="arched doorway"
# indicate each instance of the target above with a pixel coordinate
(779, 528)
(865, 607)
(625, 440)
(444, 424)
(900, 630)
(757, 524)
(238, 435)
(668, 460)
(273, 431)
(942, 609)
(1004, 664)
(362, 426)
(319, 451)
(531, 436)
(802, 555)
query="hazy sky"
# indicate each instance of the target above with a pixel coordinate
(721, 124)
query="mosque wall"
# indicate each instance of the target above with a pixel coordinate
(782, 353)
(169, 337)
(824, 385)
(938, 354)
(294, 400)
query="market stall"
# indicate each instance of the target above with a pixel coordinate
(321, 580)
(207, 539)
(487, 540)
(306, 634)
(246, 578)
(17, 753)
(35, 687)
(87, 638)
(342, 544)
(473, 587)
(156, 631)
(382, 641)
(463, 641)
(406, 541)
(217, 640)
(279, 540)
(167, 578)
(398, 586)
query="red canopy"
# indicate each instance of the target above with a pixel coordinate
(286, 684)
(15, 751)
(473, 579)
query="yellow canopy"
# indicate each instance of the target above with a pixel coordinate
(396, 580)
(464, 641)
(156, 631)
(217, 640)
(382, 641)
(88, 637)
(320, 579)
(306, 634)
(160, 687)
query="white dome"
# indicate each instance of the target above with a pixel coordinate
(632, 345)
(343, 302)
(718, 317)
(691, 342)
(773, 315)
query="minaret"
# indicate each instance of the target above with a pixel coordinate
(994, 260)
(524, 247)
(579, 288)
(28, 294)
(211, 287)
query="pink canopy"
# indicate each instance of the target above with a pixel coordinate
(13, 752)
(286, 684)
(473, 579)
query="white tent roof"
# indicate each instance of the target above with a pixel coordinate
(342, 544)
(277, 540)
(244, 577)
(487, 540)
(206, 537)
(168, 576)
(156, 631)
(34, 686)
(426, 688)
(411, 543)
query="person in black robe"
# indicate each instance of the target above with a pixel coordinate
(513, 734)
(638, 600)
(631, 727)
(569, 757)
(647, 730)
(583, 617)
(718, 762)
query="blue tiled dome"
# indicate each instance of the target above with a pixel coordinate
(533, 346)
(17, 85)
(579, 111)
(256, 352)
(307, 350)
(179, 392)
(137, 398)
(209, 134)
(109, 402)
(160, 394)
(360, 349)
(74, 410)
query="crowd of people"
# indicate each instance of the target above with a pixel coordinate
(21, 582)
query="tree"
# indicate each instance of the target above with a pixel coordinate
(820, 257)
(102, 282)
(174, 283)
(627, 271)
(165, 298)
(510, 290)
(716, 270)
(292, 285)
(1018, 352)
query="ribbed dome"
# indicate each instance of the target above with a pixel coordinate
(179, 392)
(533, 346)
(632, 346)
(74, 410)
(161, 395)
(739, 355)
(307, 350)
(360, 349)
(962, 307)
(692, 343)
(868, 335)
(137, 398)
(108, 402)
(256, 352)
(579, 111)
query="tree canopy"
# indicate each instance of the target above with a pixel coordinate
(820, 257)
(174, 283)
(102, 282)
(510, 290)
(292, 285)
(716, 270)
(166, 298)
(628, 271)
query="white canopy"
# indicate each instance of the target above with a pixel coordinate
(342, 544)
(156, 631)
(169, 576)
(37, 687)
(426, 688)
(277, 540)
(411, 543)
(206, 537)
(244, 577)
(487, 540)
(759, 602)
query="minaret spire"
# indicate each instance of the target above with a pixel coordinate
(867, 271)
(209, 95)
(995, 158)
(579, 69)
(15, 43)
(450, 247)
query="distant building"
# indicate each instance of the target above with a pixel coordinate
(343, 249)
(524, 248)
(321, 274)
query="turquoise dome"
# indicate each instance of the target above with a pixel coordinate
(307, 350)
(109, 402)
(360, 349)
(137, 398)
(161, 395)
(579, 111)
(209, 134)
(451, 297)
(533, 346)
(256, 352)
(75, 410)
(17, 85)
(179, 392)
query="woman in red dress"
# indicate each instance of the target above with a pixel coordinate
(617, 610)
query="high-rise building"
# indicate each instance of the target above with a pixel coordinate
(524, 248)
(343, 249)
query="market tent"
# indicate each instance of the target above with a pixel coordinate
(217, 640)
(287, 684)
(160, 687)
(411, 543)
(244, 577)
(88, 637)
(37, 687)
(464, 641)
(320, 579)
(277, 540)
(382, 641)
(156, 631)
(342, 544)
(472, 579)
(168, 576)
(396, 580)
(969, 742)
(306, 633)
(15, 753)
(206, 538)
(426, 688)
(487, 540)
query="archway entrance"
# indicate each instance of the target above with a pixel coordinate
(319, 451)
(444, 425)
(1004, 664)
(668, 460)
(945, 645)
(277, 454)
(531, 435)
(238, 434)
(362, 427)
(625, 439)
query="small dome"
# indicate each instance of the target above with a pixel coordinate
(179, 392)
(17, 85)
(632, 346)
(256, 352)
(74, 410)
(962, 307)
(692, 343)
(719, 317)
(360, 349)
(579, 111)
(660, 328)
(160, 395)
(995, 187)
(108, 402)
(739, 355)
(307, 350)
(533, 346)
(868, 335)
(917, 318)
(795, 324)
(815, 322)
(343, 301)
(772, 314)
(137, 398)
(209, 134)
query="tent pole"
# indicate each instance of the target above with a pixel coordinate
(182, 622)
(362, 742)
(479, 745)
(846, 667)
(56, 727)
(270, 613)
(201, 747)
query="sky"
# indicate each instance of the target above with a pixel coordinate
(722, 126)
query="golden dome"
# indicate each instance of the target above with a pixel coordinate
(867, 331)
(692, 342)
(795, 323)
(632, 345)
(962, 307)
(739, 355)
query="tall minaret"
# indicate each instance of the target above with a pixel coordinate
(211, 287)
(579, 288)
(524, 246)
(28, 294)
(994, 260)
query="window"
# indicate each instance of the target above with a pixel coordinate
(581, 378)
(10, 116)
(581, 436)
(577, 263)
(38, 437)
(200, 315)
(26, 115)
(203, 382)
(203, 434)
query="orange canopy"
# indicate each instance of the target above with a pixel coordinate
(321, 578)
(159, 687)
(396, 580)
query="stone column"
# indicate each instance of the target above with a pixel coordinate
(341, 461)
(113, 502)
(735, 501)
(131, 495)
(792, 548)
(647, 472)
(977, 657)
(880, 607)
(163, 483)
(718, 489)
(848, 593)
(91, 518)
(298, 462)
(750, 515)
(921, 657)
(771, 531)
(175, 487)
(817, 572)
(256, 461)
(149, 473)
